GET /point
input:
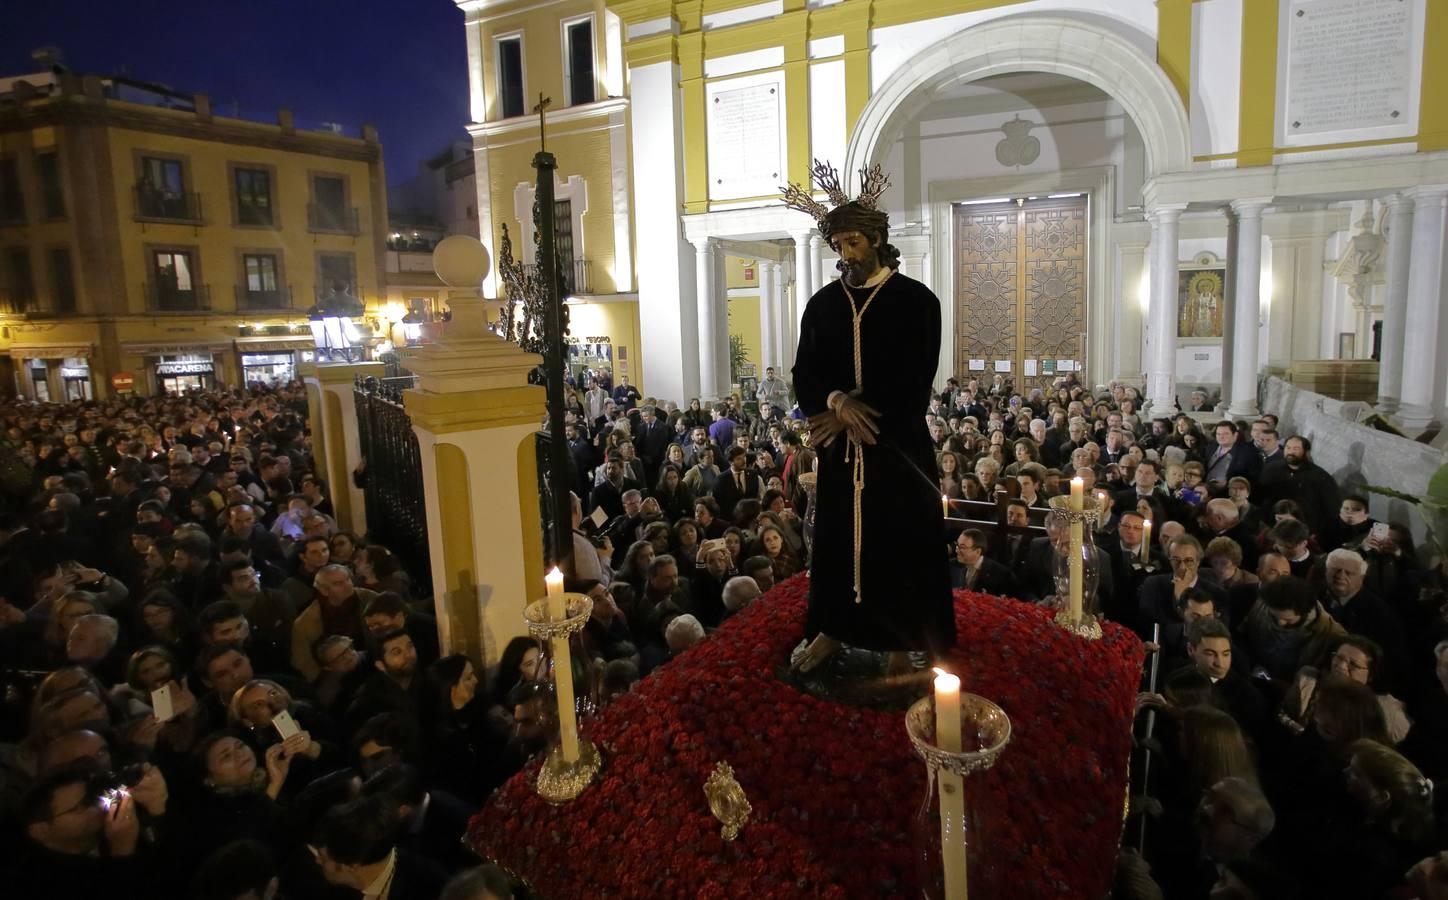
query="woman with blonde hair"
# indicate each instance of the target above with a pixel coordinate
(987, 469)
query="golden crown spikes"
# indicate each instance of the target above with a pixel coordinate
(873, 182)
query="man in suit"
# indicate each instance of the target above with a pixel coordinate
(355, 846)
(1231, 457)
(1209, 645)
(1161, 599)
(1010, 545)
(974, 571)
(1132, 562)
(740, 482)
(1146, 480)
(652, 442)
(609, 492)
(1362, 612)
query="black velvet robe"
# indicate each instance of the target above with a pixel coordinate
(906, 600)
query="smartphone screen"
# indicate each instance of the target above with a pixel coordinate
(1379, 531)
(285, 725)
(161, 706)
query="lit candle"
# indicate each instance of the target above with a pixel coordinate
(1145, 552)
(562, 668)
(945, 506)
(557, 607)
(951, 787)
(1077, 505)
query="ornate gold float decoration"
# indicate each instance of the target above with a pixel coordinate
(727, 801)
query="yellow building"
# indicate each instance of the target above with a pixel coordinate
(148, 244)
(1159, 144)
(568, 51)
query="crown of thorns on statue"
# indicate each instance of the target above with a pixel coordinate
(863, 213)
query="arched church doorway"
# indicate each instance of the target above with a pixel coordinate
(1015, 146)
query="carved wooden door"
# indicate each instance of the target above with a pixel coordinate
(1020, 289)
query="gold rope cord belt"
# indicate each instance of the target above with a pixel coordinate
(854, 450)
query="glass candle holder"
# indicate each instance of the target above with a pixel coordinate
(952, 859)
(566, 679)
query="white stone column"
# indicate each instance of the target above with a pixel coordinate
(1229, 312)
(1395, 304)
(704, 294)
(817, 263)
(785, 295)
(1130, 314)
(803, 267)
(668, 319)
(768, 314)
(1422, 388)
(1162, 314)
(1247, 306)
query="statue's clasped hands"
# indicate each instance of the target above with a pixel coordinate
(848, 415)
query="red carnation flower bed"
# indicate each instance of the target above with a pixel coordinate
(835, 789)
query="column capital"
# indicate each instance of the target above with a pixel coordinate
(802, 238)
(816, 240)
(1399, 202)
(1250, 207)
(705, 244)
(1165, 212)
(1427, 194)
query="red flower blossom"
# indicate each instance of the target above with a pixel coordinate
(835, 789)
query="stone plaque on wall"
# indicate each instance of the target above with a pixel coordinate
(1349, 66)
(746, 154)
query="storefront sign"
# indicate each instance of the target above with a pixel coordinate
(185, 368)
(123, 381)
(71, 372)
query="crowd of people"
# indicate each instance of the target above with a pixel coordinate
(1300, 720)
(212, 691)
(1301, 715)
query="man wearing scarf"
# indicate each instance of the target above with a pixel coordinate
(868, 348)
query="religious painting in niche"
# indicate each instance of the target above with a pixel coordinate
(1201, 299)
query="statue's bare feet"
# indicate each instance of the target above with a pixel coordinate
(806, 659)
(897, 662)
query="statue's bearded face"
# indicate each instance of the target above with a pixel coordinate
(859, 255)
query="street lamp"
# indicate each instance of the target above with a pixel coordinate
(412, 328)
(333, 332)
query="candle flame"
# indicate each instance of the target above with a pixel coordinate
(1148, 522)
(554, 572)
(938, 671)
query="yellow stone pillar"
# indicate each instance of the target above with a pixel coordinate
(333, 411)
(476, 418)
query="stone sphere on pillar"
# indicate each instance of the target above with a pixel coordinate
(461, 261)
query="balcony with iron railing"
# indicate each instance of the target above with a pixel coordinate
(165, 298)
(156, 205)
(248, 300)
(333, 219)
(577, 277)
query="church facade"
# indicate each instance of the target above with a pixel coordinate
(1189, 192)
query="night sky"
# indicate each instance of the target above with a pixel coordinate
(399, 64)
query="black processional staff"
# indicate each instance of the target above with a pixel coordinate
(554, 326)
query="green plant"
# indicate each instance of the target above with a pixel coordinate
(738, 356)
(1432, 506)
